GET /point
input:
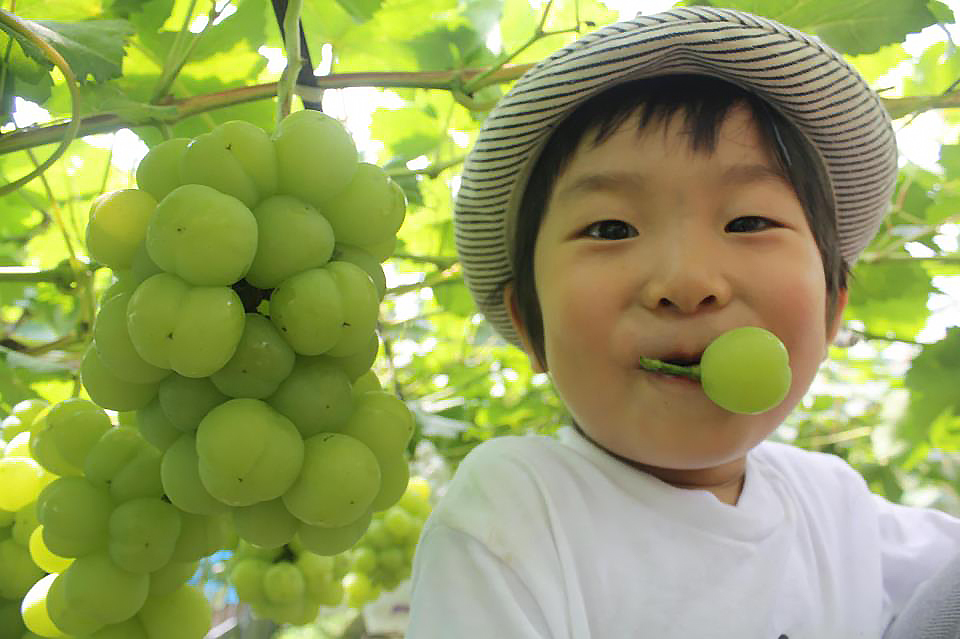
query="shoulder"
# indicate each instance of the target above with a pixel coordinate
(500, 493)
(805, 466)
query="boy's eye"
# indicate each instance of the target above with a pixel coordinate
(750, 223)
(610, 230)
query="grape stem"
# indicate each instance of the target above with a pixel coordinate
(288, 79)
(657, 366)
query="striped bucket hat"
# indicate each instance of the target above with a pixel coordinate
(809, 83)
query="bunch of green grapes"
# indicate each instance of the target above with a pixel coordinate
(286, 584)
(241, 328)
(21, 481)
(113, 554)
(384, 556)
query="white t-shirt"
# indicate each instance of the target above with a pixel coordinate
(539, 537)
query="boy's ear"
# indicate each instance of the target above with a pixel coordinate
(837, 320)
(510, 302)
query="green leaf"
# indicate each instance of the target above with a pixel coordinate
(935, 72)
(360, 10)
(890, 298)
(932, 380)
(407, 132)
(145, 15)
(93, 47)
(849, 27)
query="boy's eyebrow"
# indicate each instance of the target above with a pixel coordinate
(737, 175)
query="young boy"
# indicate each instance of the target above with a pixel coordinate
(642, 191)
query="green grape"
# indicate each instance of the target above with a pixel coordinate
(28, 410)
(358, 590)
(263, 359)
(283, 583)
(159, 171)
(19, 446)
(416, 498)
(11, 622)
(129, 629)
(268, 523)
(112, 340)
(376, 535)
(324, 540)
(154, 426)
(201, 536)
(180, 474)
(399, 523)
(394, 475)
(746, 370)
(66, 616)
(253, 148)
(117, 226)
(381, 421)
(17, 570)
(382, 250)
(316, 156)
(6, 518)
(246, 575)
(248, 452)
(187, 400)
(34, 609)
(74, 514)
(391, 560)
(109, 593)
(70, 428)
(338, 482)
(366, 211)
(293, 237)
(358, 363)
(204, 236)
(368, 381)
(365, 260)
(25, 522)
(360, 302)
(22, 416)
(193, 330)
(316, 396)
(209, 161)
(43, 557)
(110, 390)
(308, 310)
(143, 533)
(141, 268)
(44, 449)
(185, 614)
(125, 464)
(22, 480)
(363, 559)
(171, 577)
(321, 586)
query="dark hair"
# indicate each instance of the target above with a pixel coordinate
(705, 102)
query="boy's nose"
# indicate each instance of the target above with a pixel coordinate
(685, 280)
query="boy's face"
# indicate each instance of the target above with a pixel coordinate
(649, 248)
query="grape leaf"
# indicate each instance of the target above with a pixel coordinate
(932, 382)
(93, 47)
(890, 298)
(856, 27)
(360, 10)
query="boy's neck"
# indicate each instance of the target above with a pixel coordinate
(725, 482)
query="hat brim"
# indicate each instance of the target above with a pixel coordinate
(809, 83)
